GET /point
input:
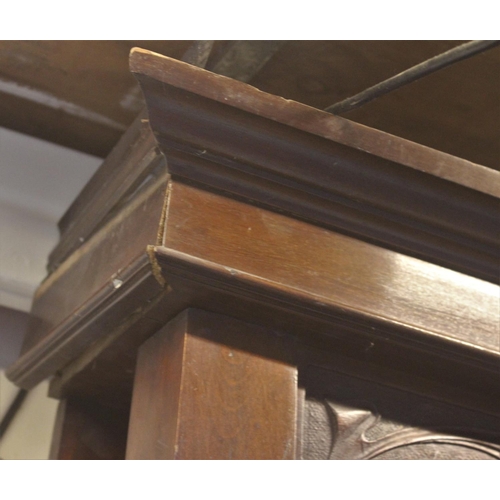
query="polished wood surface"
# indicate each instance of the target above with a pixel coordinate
(134, 160)
(202, 392)
(131, 231)
(283, 272)
(71, 299)
(146, 64)
(360, 349)
(330, 272)
(273, 158)
(233, 296)
(287, 156)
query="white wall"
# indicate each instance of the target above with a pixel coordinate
(30, 435)
(38, 182)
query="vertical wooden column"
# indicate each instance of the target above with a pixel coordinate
(211, 387)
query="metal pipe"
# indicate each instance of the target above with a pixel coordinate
(436, 63)
(12, 411)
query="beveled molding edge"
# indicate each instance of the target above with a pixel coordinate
(135, 158)
(312, 120)
(289, 157)
(81, 328)
(176, 264)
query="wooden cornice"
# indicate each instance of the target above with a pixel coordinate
(300, 116)
(135, 157)
(107, 280)
(277, 214)
(349, 316)
(253, 252)
(223, 255)
(336, 173)
(120, 303)
(350, 298)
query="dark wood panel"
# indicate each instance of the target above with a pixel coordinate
(108, 277)
(83, 323)
(200, 394)
(329, 271)
(438, 344)
(114, 247)
(357, 180)
(358, 349)
(234, 246)
(263, 220)
(134, 162)
(147, 66)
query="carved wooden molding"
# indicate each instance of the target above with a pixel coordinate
(94, 291)
(135, 156)
(303, 178)
(356, 418)
(122, 299)
(287, 156)
(293, 273)
(350, 426)
(256, 253)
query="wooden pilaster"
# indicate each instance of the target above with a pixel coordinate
(204, 390)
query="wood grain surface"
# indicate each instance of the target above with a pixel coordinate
(118, 243)
(332, 272)
(135, 157)
(413, 322)
(259, 223)
(245, 97)
(199, 393)
(356, 180)
(108, 277)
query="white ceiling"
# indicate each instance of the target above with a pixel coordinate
(38, 182)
